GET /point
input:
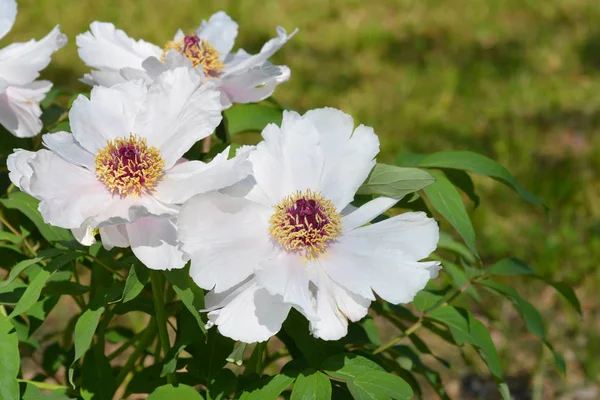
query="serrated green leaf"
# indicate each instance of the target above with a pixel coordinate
(170, 392)
(444, 197)
(311, 385)
(11, 361)
(251, 117)
(395, 182)
(29, 206)
(478, 164)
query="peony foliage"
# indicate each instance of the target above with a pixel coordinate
(146, 253)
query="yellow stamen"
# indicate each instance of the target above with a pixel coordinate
(305, 222)
(127, 166)
(200, 52)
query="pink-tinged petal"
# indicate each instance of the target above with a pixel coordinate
(248, 313)
(20, 108)
(21, 63)
(114, 236)
(226, 238)
(154, 242)
(220, 32)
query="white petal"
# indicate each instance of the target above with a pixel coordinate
(173, 60)
(189, 178)
(64, 145)
(69, 194)
(105, 47)
(8, 13)
(84, 235)
(335, 306)
(177, 113)
(367, 212)
(252, 315)
(114, 236)
(289, 159)
(250, 86)
(19, 169)
(106, 78)
(220, 32)
(226, 237)
(20, 108)
(360, 265)
(21, 63)
(128, 209)
(109, 113)
(268, 49)
(348, 156)
(154, 242)
(412, 233)
(285, 275)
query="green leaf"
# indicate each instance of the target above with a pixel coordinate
(448, 243)
(529, 314)
(84, 333)
(311, 385)
(379, 385)
(513, 267)
(251, 117)
(395, 182)
(463, 181)
(189, 293)
(478, 164)
(170, 392)
(10, 237)
(136, 280)
(9, 367)
(34, 290)
(97, 379)
(348, 366)
(425, 300)
(33, 392)
(17, 269)
(29, 206)
(444, 197)
(267, 388)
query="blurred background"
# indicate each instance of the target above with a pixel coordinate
(517, 80)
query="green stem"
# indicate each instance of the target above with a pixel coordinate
(158, 294)
(145, 340)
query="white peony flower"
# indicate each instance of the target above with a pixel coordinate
(120, 170)
(280, 240)
(20, 66)
(241, 77)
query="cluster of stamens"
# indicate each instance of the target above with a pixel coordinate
(199, 52)
(305, 222)
(128, 167)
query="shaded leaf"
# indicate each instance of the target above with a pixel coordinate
(11, 361)
(395, 182)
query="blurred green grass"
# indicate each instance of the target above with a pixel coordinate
(518, 80)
